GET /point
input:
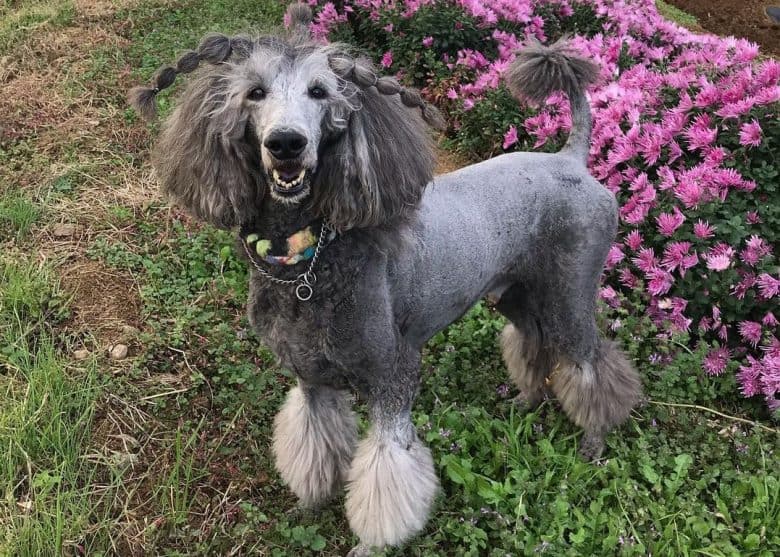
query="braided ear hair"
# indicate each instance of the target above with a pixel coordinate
(214, 49)
(360, 71)
(375, 171)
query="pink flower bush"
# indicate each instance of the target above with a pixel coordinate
(684, 127)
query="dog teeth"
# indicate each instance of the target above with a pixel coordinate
(285, 184)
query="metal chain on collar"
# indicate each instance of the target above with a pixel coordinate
(305, 280)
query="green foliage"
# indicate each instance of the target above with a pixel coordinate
(46, 414)
(17, 214)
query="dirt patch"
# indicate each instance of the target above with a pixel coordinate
(105, 301)
(746, 19)
(447, 161)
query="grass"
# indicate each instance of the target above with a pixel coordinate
(677, 15)
(167, 452)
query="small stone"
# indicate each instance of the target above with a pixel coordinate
(82, 354)
(118, 352)
(64, 230)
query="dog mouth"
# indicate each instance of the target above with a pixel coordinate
(289, 183)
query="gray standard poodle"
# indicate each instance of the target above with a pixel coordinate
(358, 255)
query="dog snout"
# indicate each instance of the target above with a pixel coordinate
(285, 144)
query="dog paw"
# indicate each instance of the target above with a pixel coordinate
(361, 550)
(591, 446)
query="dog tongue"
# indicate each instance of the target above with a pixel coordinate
(289, 175)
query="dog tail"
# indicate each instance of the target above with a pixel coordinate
(538, 71)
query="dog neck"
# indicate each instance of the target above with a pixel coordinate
(278, 223)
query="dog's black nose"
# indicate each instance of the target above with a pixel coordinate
(285, 144)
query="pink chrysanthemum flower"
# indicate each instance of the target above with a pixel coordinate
(659, 281)
(768, 285)
(752, 217)
(769, 320)
(628, 279)
(633, 240)
(675, 255)
(614, 256)
(510, 137)
(757, 248)
(646, 260)
(669, 222)
(719, 257)
(703, 229)
(750, 134)
(690, 193)
(609, 295)
(748, 377)
(699, 134)
(387, 59)
(427, 42)
(741, 288)
(716, 360)
(750, 331)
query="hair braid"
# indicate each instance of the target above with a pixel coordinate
(361, 72)
(214, 49)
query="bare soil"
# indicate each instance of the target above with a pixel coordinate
(740, 18)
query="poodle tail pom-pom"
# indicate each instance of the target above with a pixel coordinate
(538, 71)
(144, 102)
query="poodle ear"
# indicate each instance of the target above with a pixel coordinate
(378, 167)
(205, 157)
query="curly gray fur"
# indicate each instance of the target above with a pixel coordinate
(280, 134)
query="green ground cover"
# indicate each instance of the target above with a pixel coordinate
(166, 452)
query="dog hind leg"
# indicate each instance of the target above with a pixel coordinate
(597, 395)
(524, 359)
(314, 438)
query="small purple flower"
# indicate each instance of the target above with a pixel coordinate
(502, 390)
(445, 432)
(427, 42)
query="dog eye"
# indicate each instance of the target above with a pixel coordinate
(256, 94)
(317, 92)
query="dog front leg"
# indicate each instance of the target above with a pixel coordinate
(392, 482)
(314, 438)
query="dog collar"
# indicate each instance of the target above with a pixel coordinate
(303, 283)
(300, 247)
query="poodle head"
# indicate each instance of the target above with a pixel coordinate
(294, 120)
